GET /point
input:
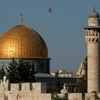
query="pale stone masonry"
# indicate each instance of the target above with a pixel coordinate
(23, 91)
(34, 91)
(92, 37)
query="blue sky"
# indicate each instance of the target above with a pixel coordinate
(62, 29)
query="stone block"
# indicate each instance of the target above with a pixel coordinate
(25, 86)
(75, 96)
(39, 87)
(3, 97)
(14, 87)
(89, 96)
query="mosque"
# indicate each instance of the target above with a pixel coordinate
(24, 42)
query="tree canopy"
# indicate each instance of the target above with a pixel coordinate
(65, 97)
(56, 88)
(19, 71)
(82, 81)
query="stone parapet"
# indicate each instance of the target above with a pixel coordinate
(74, 96)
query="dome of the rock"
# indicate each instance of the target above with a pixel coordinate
(22, 42)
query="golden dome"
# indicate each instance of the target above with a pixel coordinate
(22, 42)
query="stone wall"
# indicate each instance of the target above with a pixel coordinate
(23, 91)
(74, 96)
(35, 91)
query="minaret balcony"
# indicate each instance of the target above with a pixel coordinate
(98, 37)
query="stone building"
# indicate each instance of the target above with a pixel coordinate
(24, 42)
(64, 73)
(92, 37)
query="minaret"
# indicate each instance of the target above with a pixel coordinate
(92, 37)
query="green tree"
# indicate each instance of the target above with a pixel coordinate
(53, 89)
(21, 71)
(12, 72)
(65, 97)
(57, 79)
(56, 88)
(57, 82)
(32, 77)
(2, 72)
(82, 81)
(97, 97)
(85, 67)
(57, 97)
(24, 69)
(70, 88)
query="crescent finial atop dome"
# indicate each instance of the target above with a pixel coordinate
(21, 18)
(94, 8)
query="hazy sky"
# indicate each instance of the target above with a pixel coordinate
(62, 29)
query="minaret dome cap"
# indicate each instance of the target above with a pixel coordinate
(94, 14)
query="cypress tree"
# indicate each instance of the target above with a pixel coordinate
(21, 71)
